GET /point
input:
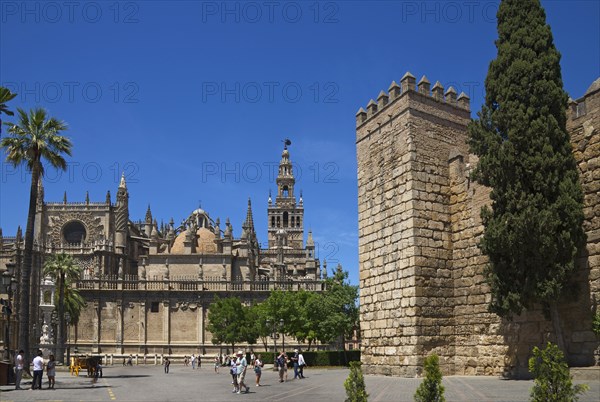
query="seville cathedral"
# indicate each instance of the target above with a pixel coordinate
(147, 287)
(422, 279)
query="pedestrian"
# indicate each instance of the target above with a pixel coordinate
(186, 361)
(19, 364)
(95, 371)
(295, 363)
(51, 371)
(193, 362)
(258, 365)
(38, 371)
(130, 360)
(281, 365)
(198, 361)
(217, 364)
(233, 372)
(301, 364)
(241, 364)
(167, 363)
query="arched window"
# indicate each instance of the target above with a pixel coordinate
(285, 220)
(292, 221)
(298, 222)
(74, 232)
(272, 221)
(278, 222)
(285, 191)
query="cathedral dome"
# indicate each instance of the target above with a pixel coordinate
(204, 242)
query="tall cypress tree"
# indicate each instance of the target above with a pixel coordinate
(533, 230)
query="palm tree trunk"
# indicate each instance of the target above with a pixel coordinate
(26, 269)
(61, 319)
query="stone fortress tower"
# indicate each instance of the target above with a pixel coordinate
(421, 273)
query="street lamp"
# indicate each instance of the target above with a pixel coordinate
(68, 322)
(281, 322)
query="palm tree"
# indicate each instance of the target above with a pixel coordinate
(73, 302)
(34, 138)
(63, 270)
(5, 96)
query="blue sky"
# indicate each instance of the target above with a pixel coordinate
(192, 99)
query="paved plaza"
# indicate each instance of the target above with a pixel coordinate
(149, 383)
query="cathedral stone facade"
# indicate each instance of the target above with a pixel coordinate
(422, 279)
(148, 288)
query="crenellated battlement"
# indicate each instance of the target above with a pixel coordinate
(408, 85)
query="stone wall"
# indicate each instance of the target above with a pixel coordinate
(422, 275)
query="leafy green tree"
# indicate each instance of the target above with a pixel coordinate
(259, 317)
(553, 381)
(230, 322)
(309, 316)
(355, 384)
(431, 388)
(534, 228)
(63, 270)
(35, 138)
(339, 311)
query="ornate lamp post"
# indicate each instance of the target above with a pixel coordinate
(48, 313)
(281, 322)
(68, 323)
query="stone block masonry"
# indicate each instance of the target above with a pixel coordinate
(422, 276)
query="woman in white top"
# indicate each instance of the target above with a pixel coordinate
(258, 364)
(301, 364)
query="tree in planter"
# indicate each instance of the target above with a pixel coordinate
(355, 384)
(431, 388)
(533, 230)
(553, 382)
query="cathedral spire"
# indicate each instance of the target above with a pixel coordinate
(40, 193)
(108, 201)
(148, 215)
(249, 223)
(123, 184)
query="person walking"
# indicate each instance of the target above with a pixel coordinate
(233, 371)
(217, 364)
(295, 363)
(241, 364)
(258, 365)
(301, 364)
(19, 364)
(51, 371)
(281, 365)
(193, 362)
(167, 363)
(38, 371)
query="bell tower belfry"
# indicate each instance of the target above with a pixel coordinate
(286, 214)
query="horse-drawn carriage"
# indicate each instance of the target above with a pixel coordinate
(89, 363)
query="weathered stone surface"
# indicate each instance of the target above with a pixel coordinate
(415, 197)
